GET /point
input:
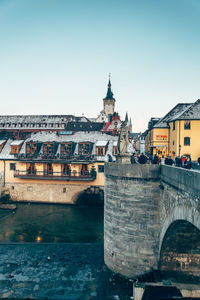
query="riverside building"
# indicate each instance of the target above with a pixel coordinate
(48, 167)
(177, 133)
(56, 158)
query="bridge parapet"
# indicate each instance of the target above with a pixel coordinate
(182, 179)
(134, 171)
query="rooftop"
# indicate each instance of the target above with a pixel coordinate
(192, 112)
(179, 108)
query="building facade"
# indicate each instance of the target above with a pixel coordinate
(177, 133)
(48, 167)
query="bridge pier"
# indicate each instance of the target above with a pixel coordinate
(151, 219)
(131, 218)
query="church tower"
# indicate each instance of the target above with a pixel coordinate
(109, 102)
(108, 106)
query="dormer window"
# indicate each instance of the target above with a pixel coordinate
(16, 146)
(85, 148)
(32, 148)
(50, 148)
(101, 151)
(101, 147)
(67, 148)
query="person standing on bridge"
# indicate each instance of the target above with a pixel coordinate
(142, 159)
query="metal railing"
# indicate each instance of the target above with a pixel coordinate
(56, 157)
(73, 175)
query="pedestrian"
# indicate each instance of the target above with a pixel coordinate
(187, 163)
(142, 159)
(169, 161)
(178, 161)
(155, 160)
(183, 160)
(133, 160)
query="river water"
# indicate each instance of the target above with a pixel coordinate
(46, 223)
(61, 245)
(80, 230)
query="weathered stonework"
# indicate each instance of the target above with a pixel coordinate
(142, 204)
(51, 193)
(131, 218)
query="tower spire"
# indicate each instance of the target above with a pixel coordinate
(109, 95)
(126, 118)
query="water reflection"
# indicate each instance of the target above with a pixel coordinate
(44, 223)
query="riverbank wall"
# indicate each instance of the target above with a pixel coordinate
(45, 192)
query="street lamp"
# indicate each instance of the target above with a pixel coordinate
(179, 150)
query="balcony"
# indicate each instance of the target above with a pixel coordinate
(57, 157)
(45, 175)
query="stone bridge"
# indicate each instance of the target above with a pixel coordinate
(151, 219)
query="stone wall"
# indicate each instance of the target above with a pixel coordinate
(51, 193)
(180, 220)
(151, 219)
(131, 218)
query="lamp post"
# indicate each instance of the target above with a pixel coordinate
(179, 150)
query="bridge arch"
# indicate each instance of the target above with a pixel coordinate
(186, 213)
(93, 196)
(179, 249)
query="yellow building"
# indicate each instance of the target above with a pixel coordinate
(50, 168)
(185, 132)
(158, 140)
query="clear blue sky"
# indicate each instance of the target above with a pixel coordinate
(55, 56)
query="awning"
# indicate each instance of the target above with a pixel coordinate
(17, 143)
(163, 146)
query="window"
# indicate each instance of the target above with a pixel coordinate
(187, 125)
(84, 148)
(31, 148)
(49, 148)
(66, 149)
(186, 141)
(173, 143)
(64, 190)
(174, 125)
(100, 168)
(12, 166)
(100, 150)
(15, 149)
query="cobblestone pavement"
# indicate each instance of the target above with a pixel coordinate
(53, 271)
